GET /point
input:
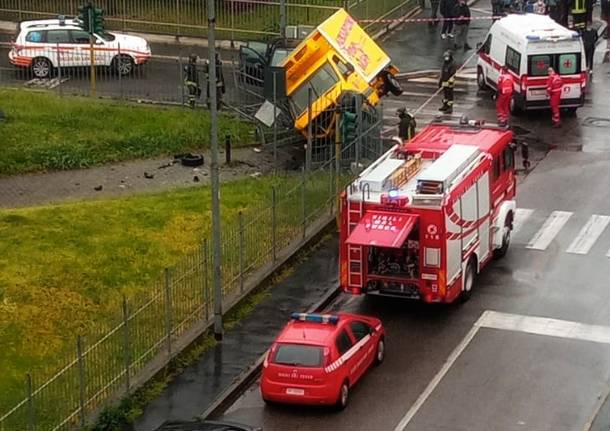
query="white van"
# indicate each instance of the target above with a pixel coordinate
(528, 44)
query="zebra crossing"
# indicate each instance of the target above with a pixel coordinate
(554, 226)
(418, 91)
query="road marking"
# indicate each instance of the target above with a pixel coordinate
(516, 323)
(589, 234)
(549, 230)
(439, 376)
(546, 326)
(521, 215)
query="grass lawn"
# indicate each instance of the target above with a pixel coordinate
(45, 131)
(64, 268)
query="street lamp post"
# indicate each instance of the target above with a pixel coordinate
(216, 259)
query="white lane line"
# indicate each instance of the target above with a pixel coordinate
(589, 234)
(546, 326)
(516, 323)
(549, 230)
(439, 376)
(521, 215)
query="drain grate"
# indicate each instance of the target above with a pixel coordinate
(596, 122)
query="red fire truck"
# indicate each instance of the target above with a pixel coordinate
(425, 218)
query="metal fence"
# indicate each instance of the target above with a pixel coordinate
(236, 19)
(146, 327)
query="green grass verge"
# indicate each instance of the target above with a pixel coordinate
(65, 268)
(45, 131)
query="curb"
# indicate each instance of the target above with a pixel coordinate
(233, 392)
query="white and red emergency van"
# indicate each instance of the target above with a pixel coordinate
(528, 44)
(425, 218)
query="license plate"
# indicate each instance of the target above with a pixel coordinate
(538, 92)
(295, 391)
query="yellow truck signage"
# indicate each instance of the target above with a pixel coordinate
(354, 45)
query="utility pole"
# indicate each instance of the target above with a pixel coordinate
(216, 263)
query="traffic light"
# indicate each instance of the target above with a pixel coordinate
(83, 17)
(349, 127)
(97, 20)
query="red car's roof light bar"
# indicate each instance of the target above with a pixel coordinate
(318, 318)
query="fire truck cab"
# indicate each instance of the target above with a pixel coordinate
(425, 218)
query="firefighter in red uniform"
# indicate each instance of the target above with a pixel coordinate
(554, 86)
(506, 87)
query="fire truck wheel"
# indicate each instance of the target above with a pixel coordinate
(469, 276)
(501, 252)
(343, 396)
(380, 354)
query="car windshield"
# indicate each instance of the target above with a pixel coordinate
(320, 82)
(108, 37)
(278, 56)
(298, 355)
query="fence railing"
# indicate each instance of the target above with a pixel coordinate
(236, 19)
(147, 326)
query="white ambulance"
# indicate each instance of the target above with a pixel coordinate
(528, 45)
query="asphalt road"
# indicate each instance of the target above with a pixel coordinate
(530, 350)
(160, 80)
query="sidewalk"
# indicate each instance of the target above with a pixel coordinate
(133, 177)
(195, 390)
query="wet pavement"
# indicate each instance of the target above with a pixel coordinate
(541, 359)
(193, 391)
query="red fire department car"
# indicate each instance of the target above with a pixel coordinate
(317, 358)
(425, 218)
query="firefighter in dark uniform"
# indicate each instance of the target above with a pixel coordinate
(191, 80)
(407, 124)
(579, 15)
(220, 82)
(447, 81)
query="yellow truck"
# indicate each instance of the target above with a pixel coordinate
(338, 57)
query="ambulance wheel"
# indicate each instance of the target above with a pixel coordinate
(380, 353)
(343, 397)
(469, 276)
(571, 111)
(515, 109)
(481, 79)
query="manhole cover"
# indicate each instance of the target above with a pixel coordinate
(596, 122)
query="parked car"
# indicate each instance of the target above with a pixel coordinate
(317, 358)
(202, 425)
(44, 45)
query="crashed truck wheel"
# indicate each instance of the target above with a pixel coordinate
(393, 85)
(191, 160)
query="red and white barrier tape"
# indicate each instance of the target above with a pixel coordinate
(440, 19)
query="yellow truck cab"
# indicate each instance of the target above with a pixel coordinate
(337, 57)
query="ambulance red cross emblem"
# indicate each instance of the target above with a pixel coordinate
(567, 64)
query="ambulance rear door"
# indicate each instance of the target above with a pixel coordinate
(567, 58)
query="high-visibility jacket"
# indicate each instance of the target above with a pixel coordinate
(448, 71)
(578, 6)
(506, 84)
(554, 84)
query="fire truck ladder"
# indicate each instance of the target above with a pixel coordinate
(354, 252)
